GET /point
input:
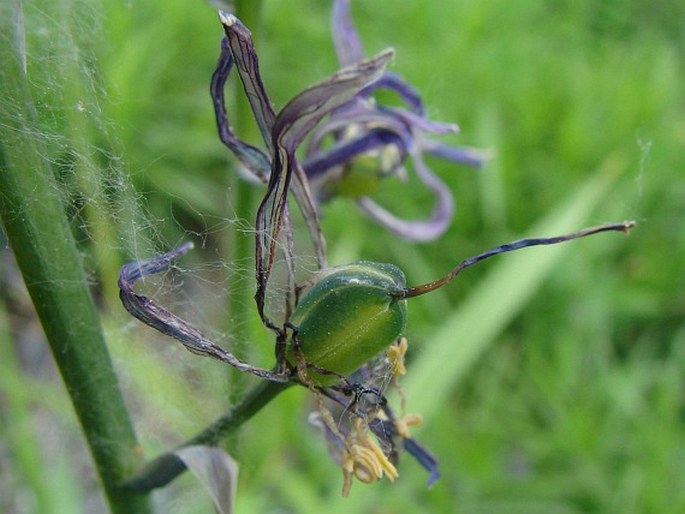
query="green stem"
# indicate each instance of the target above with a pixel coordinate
(34, 220)
(168, 466)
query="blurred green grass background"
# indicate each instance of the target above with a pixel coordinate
(564, 398)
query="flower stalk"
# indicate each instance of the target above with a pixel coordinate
(162, 470)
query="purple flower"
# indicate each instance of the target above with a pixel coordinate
(380, 140)
(357, 142)
(277, 165)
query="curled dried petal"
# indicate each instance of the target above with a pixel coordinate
(417, 230)
(348, 46)
(247, 63)
(255, 160)
(291, 126)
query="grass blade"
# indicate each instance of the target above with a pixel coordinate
(483, 316)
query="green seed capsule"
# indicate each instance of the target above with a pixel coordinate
(348, 316)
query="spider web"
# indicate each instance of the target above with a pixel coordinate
(113, 145)
(136, 170)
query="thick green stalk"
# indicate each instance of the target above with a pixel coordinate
(34, 220)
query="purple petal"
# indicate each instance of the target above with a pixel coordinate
(163, 320)
(466, 156)
(345, 37)
(256, 161)
(356, 117)
(393, 82)
(247, 64)
(425, 458)
(417, 230)
(347, 149)
(421, 123)
(304, 111)
(291, 126)
(385, 431)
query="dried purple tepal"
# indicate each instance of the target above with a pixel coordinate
(355, 146)
(373, 141)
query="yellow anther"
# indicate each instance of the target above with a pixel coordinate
(383, 461)
(411, 420)
(396, 355)
(366, 465)
(389, 158)
(347, 478)
(364, 458)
